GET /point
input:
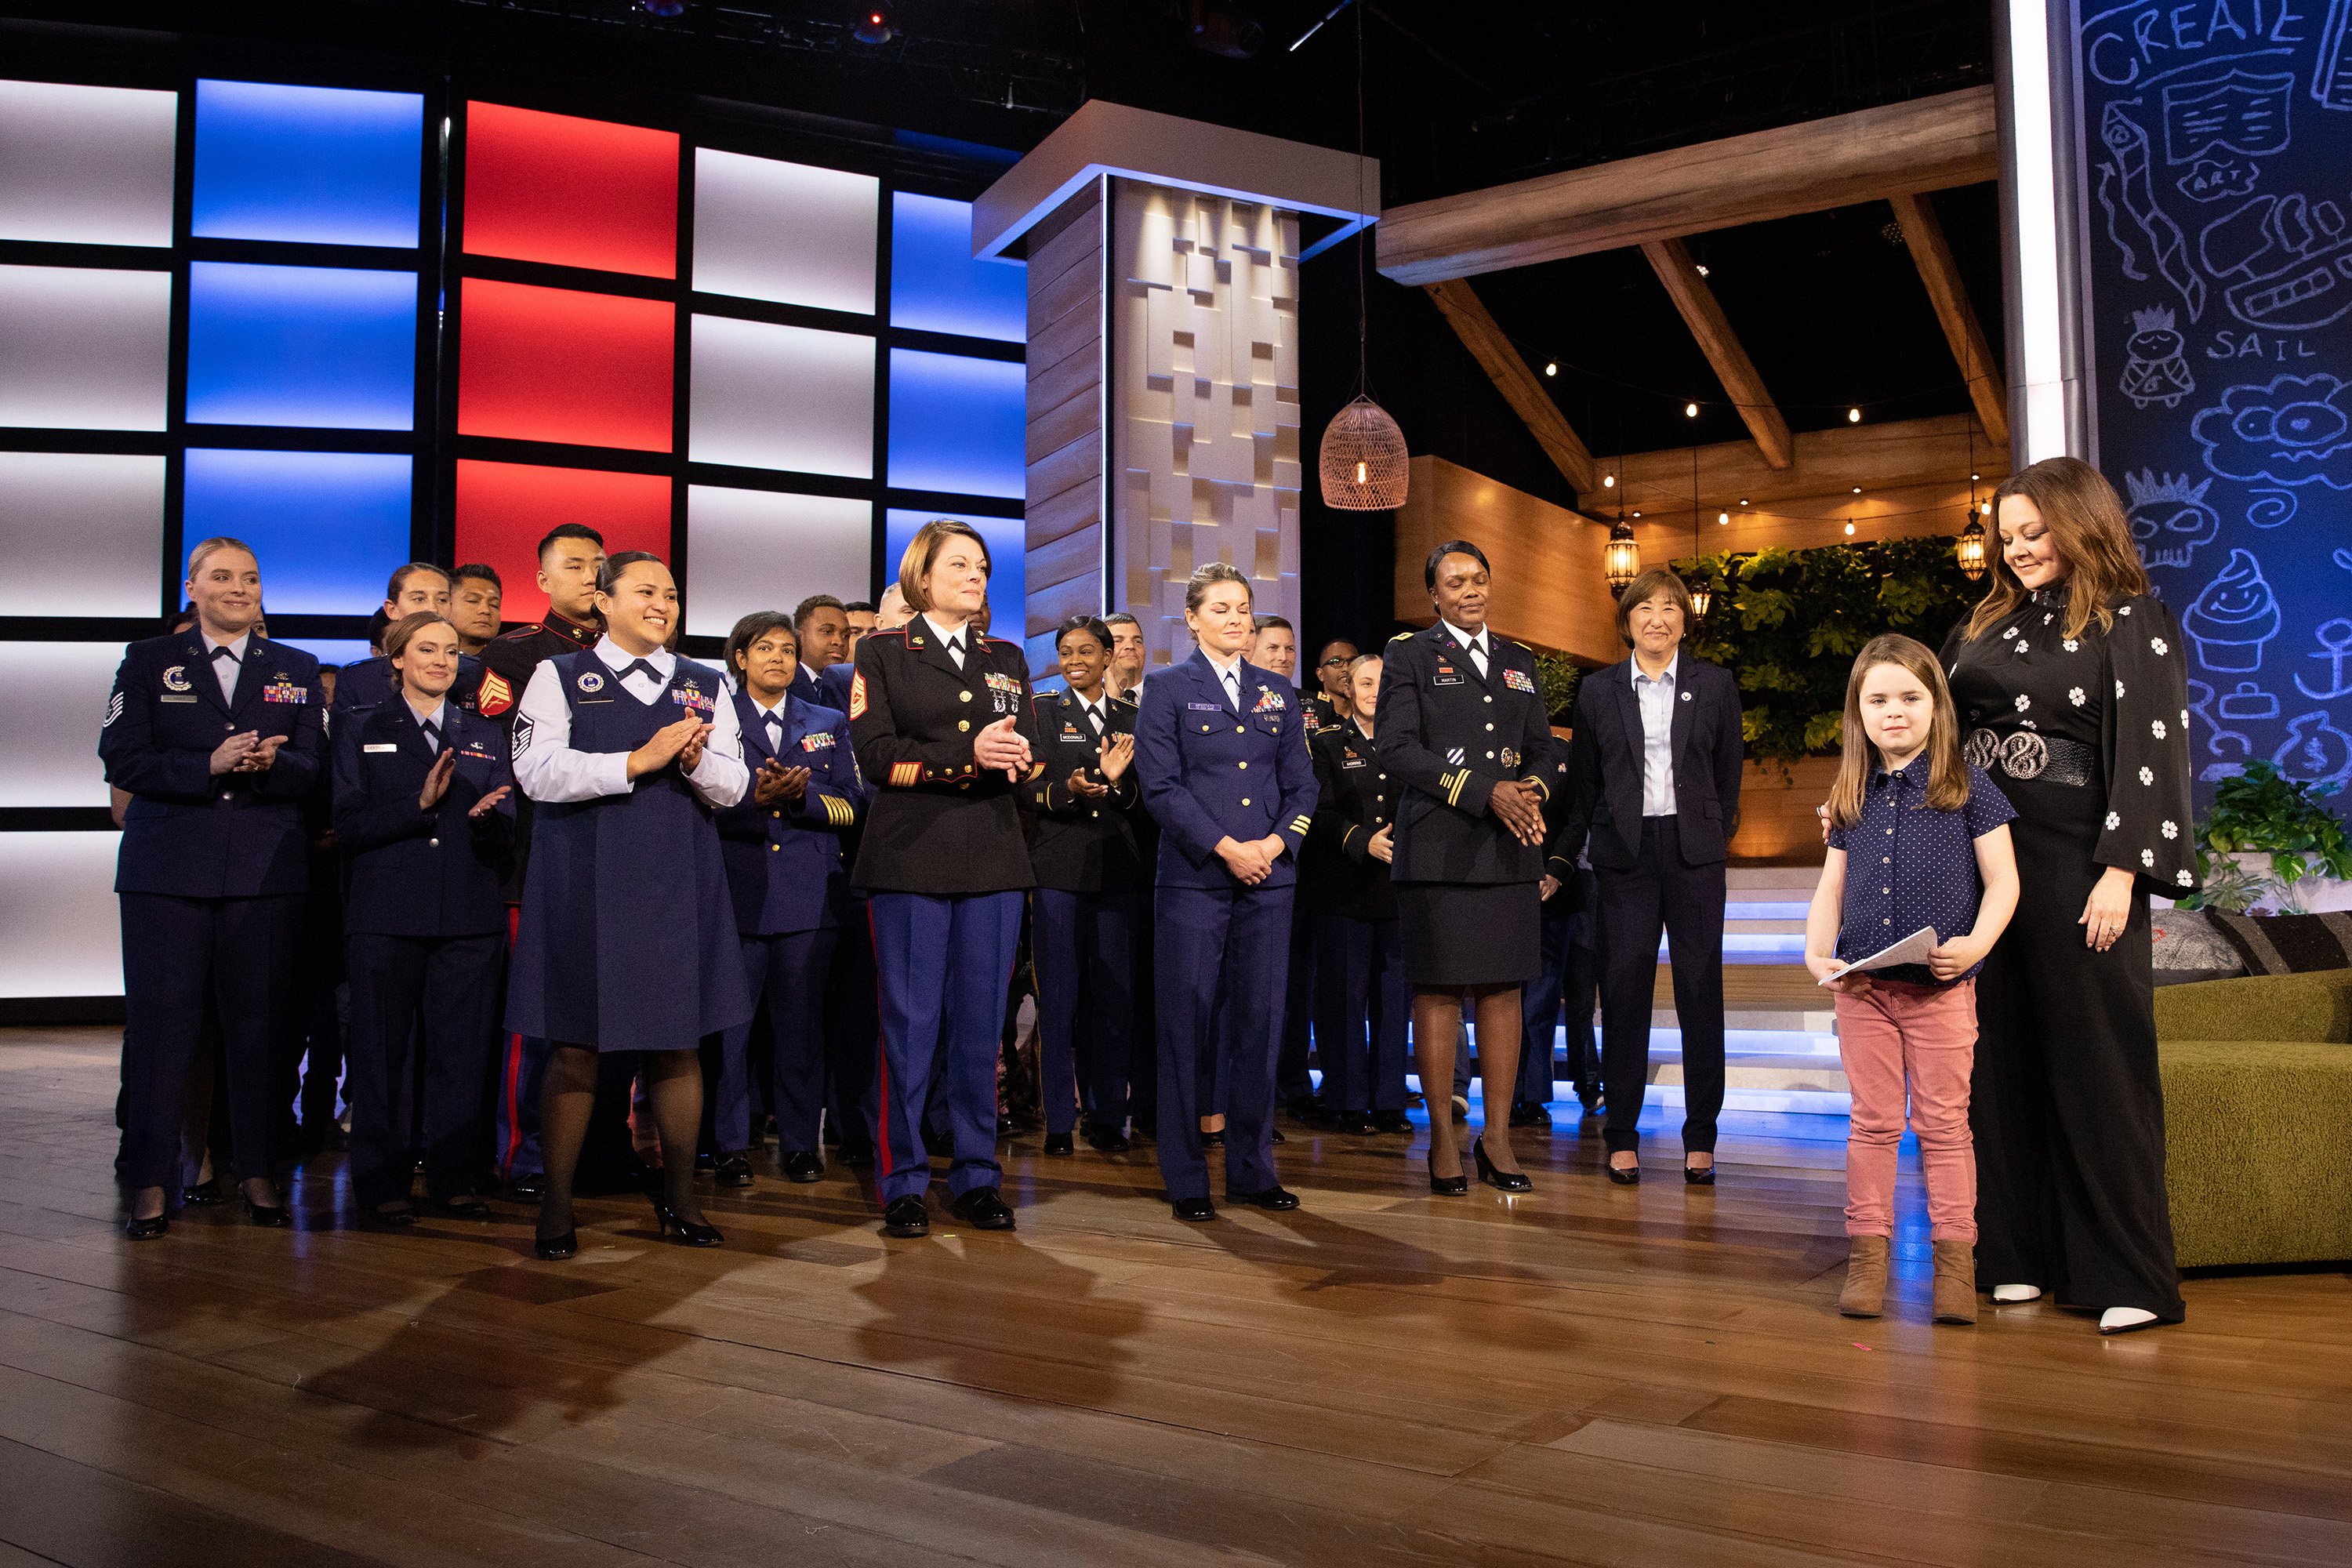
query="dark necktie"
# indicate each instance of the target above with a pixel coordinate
(644, 667)
(432, 736)
(955, 651)
(227, 652)
(775, 734)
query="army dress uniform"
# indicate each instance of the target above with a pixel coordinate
(1085, 913)
(1223, 754)
(786, 872)
(1293, 1081)
(1362, 1003)
(945, 868)
(1457, 716)
(211, 874)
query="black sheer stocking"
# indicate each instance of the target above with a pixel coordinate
(567, 1098)
(1436, 1036)
(673, 1086)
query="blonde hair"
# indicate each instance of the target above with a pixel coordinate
(2086, 518)
(1948, 770)
(212, 546)
(915, 564)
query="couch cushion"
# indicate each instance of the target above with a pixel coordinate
(2288, 944)
(2254, 1138)
(2308, 1007)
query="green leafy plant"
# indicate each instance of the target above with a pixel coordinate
(2227, 886)
(1787, 623)
(2263, 812)
(1557, 675)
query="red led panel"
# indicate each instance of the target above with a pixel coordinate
(554, 364)
(577, 192)
(504, 510)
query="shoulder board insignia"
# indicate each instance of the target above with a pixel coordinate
(522, 634)
(495, 695)
(1401, 637)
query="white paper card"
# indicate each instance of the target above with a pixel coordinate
(1912, 949)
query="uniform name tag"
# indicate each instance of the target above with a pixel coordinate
(1353, 761)
(167, 697)
(1519, 680)
(1206, 707)
(821, 740)
(385, 747)
(1446, 675)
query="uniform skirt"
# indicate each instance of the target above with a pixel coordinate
(1459, 934)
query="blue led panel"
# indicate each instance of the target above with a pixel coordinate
(937, 287)
(1008, 574)
(322, 164)
(326, 346)
(958, 424)
(334, 653)
(328, 527)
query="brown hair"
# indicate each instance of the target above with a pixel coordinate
(403, 631)
(2086, 517)
(916, 563)
(1642, 589)
(1947, 771)
(1197, 588)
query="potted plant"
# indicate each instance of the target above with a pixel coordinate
(2273, 832)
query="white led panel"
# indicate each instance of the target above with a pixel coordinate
(767, 396)
(52, 700)
(87, 527)
(85, 165)
(60, 928)
(768, 230)
(84, 348)
(756, 549)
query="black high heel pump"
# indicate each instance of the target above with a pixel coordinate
(688, 1233)
(1501, 1181)
(1445, 1186)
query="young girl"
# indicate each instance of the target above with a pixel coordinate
(1926, 834)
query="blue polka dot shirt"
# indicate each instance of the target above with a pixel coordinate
(1907, 865)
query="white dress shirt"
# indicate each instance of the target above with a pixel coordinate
(1474, 644)
(548, 770)
(223, 671)
(1228, 676)
(434, 716)
(1097, 714)
(1657, 700)
(772, 722)
(956, 642)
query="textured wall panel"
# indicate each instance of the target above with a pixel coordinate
(84, 348)
(1204, 402)
(87, 527)
(87, 165)
(759, 550)
(770, 230)
(60, 925)
(1063, 440)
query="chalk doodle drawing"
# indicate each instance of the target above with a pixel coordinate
(2293, 431)
(2168, 517)
(2155, 369)
(2223, 743)
(2335, 650)
(2331, 77)
(2344, 559)
(2232, 617)
(2316, 750)
(2268, 509)
(2127, 145)
(2215, 179)
(2292, 258)
(2242, 111)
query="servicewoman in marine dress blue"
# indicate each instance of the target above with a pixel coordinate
(1221, 749)
(628, 941)
(217, 734)
(424, 809)
(781, 846)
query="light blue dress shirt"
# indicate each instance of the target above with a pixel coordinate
(1657, 700)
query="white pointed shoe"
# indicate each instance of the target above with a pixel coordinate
(2124, 1319)
(2009, 1295)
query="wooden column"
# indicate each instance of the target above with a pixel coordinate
(1065, 539)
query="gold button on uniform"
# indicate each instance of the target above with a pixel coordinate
(1245, 800)
(773, 848)
(1489, 700)
(1490, 726)
(1239, 728)
(1241, 764)
(963, 696)
(964, 723)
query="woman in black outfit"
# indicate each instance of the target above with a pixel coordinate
(2070, 684)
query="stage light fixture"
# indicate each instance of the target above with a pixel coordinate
(1857, 489)
(1607, 481)
(1722, 518)
(663, 8)
(876, 25)
(1974, 478)
(1551, 367)
(1690, 410)
(1223, 28)
(1702, 272)
(1849, 531)
(1985, 507)
(1853, 415)
(1971, 550)
(1701, 595)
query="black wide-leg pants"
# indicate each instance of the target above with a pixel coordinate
(1660, 893)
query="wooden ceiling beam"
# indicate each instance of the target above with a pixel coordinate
(1671, 260)
(1516, 380)
(1925, 235)
(1897, 149)
(1829, 464)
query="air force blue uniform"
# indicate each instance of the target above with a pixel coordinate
(212, 874)
(373, 682)
(1212, 770)
(784, 872)
(425, 928)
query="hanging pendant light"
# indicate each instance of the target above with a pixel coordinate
(1621, 560)
(1969, 548)
(1362, 463)
(1701, 595)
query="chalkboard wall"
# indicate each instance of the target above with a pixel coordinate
(2217, 180)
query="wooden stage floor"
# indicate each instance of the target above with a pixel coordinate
(1595, 1375)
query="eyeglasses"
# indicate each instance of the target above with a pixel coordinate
(1336, 663)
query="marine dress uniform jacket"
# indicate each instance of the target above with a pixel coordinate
(1447, 737)
(211, 874)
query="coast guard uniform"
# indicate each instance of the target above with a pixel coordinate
(1221, 756)
(628, 941)
(1359, 959)
(792, 895)
(944, 867)
(425, 929)
(211, 874)
(1091, 883)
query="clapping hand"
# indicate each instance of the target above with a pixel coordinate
(669, 743)
(489, 803)
(1117, 756)
(230, 755)
(1000, 745)
(778, 784)
(1086, 788)
(436, 780)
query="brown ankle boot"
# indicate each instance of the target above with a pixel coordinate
(1955, 1282)
(1864, 1295)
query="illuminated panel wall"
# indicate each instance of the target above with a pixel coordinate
(504, 510)
(1007, 578)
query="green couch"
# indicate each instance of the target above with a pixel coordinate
(2258, 1117)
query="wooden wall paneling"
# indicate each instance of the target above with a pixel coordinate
(1548, 590)
(1703, 314)
(1924, 144)
(1516, 380)
(1900, 511)
(1063, 509)
(1825, 463)
(1924, 236)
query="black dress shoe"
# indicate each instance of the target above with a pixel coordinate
(1588, 1095)
(269, 1216)
(906, 1216)
(396, 1216)
(856, 1156)
(1107, 1140)
(1195, 1210)
(982, 1208)
(1445, 1186)
(1061, 1144)
(1309, 1109)
(734, 1169)
(1274, 1198)
(806, 1165)
(147, 1229)
(1392, 1122)
(1699, 1176)
(465, 1206)
(1212, 1139)
(1355, 1123)
(204, 1195)
(556, 1248)
(1626, 1175)
(689, 1232)
(528, 1188)
(1530, 1113)
(1501, 1181)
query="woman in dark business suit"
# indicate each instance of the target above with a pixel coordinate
(1653, 772)
(422, 808)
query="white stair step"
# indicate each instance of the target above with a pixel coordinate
(1756, 878)
(1795, 909)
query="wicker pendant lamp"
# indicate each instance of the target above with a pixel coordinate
(1363, 464)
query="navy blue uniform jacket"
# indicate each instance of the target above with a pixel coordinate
(186, 832)
(1447, 736)
(373, 682)
(784, 861)
(413, 872)
(1604, 766)
(1211, 774)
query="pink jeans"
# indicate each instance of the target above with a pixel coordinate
(1927, 1033)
